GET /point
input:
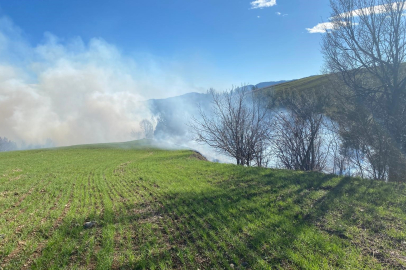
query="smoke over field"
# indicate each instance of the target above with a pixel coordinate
(76, 92)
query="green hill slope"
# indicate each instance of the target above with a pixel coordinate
(160, 209)
(319, 82)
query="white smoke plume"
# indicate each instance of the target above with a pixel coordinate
(73, 92)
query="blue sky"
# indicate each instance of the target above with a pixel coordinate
(231, 40)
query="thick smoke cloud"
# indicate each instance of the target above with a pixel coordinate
(74, 92)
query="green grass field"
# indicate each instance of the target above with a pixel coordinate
(160, 209)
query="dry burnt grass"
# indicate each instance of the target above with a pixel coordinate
(157, 209)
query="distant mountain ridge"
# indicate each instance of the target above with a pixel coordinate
(194, 96)
(267, 84)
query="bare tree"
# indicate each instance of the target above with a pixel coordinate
(238, 126)
(147, 128)
(298, 139)
(366, 144)
(340, 159)
(366, 49)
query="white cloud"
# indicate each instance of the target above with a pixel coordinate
(280, 14)
(320, 28)
(324, 27)
(369, 10)
(258, 17)
(262, 3)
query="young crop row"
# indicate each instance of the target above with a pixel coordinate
(157, 209)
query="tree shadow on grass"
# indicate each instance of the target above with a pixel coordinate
(256, 219)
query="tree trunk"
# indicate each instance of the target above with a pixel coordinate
(397, 167)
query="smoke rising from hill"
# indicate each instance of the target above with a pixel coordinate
(68, 92)
(72, 92)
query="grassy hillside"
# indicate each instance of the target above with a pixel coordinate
(158, 209)
(312, 82)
